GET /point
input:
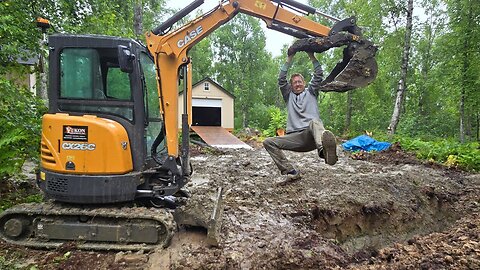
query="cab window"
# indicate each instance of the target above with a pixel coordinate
(93, 74)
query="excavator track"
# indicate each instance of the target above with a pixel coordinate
(49, 225)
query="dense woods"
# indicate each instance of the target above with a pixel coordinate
(427, 88)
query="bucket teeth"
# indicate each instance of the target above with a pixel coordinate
(358, 67)
(215, 222)
(206, 213)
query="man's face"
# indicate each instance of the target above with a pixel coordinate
(298, 85)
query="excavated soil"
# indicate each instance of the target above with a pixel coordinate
(369, 211)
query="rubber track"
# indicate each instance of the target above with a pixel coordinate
(57, 209)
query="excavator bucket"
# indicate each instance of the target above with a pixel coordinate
(203, 211)
(358, 67)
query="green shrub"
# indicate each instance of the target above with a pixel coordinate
(448, 152)
(20, 126)
(8, 200)
(278, 120)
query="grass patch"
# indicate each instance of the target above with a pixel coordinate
(448, 152)
(12, 194)
(11, 263)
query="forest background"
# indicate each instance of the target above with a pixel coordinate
(426, 94)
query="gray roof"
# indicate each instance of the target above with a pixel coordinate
(27, 60)
(25, 57)
(214, 83)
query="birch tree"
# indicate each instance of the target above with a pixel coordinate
(402, 83)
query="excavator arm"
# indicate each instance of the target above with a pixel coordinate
(169, 49)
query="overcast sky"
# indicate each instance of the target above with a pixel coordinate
(275, 40)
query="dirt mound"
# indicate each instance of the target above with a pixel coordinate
(393, 155)
(329, 218)
(455, 248)
(66, 257)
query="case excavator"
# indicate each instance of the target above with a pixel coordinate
(112, 166)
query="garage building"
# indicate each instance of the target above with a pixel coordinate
(212, 105)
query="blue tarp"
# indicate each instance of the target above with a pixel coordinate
(365, 143)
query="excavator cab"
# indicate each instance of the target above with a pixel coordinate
(103, 153)
(103, 123)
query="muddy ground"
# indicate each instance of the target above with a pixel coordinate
(382, 211)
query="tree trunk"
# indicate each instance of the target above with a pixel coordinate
(426, 66)
(465, 77)
(41, 89)
(348, 117)
(462, 115)
(469, 123)
(244, 119)
(402, 86)
(462, 91)
(138, 18)
(478, 127)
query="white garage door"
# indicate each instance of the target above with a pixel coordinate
(201, 102)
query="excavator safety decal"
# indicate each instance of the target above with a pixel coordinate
(75, 133)
(189, 36)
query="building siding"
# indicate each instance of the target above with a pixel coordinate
(213, 93)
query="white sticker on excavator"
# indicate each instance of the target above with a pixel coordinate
(78, 146)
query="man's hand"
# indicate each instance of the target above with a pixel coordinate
(290, 58)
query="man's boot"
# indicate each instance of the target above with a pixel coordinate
(329, 145)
